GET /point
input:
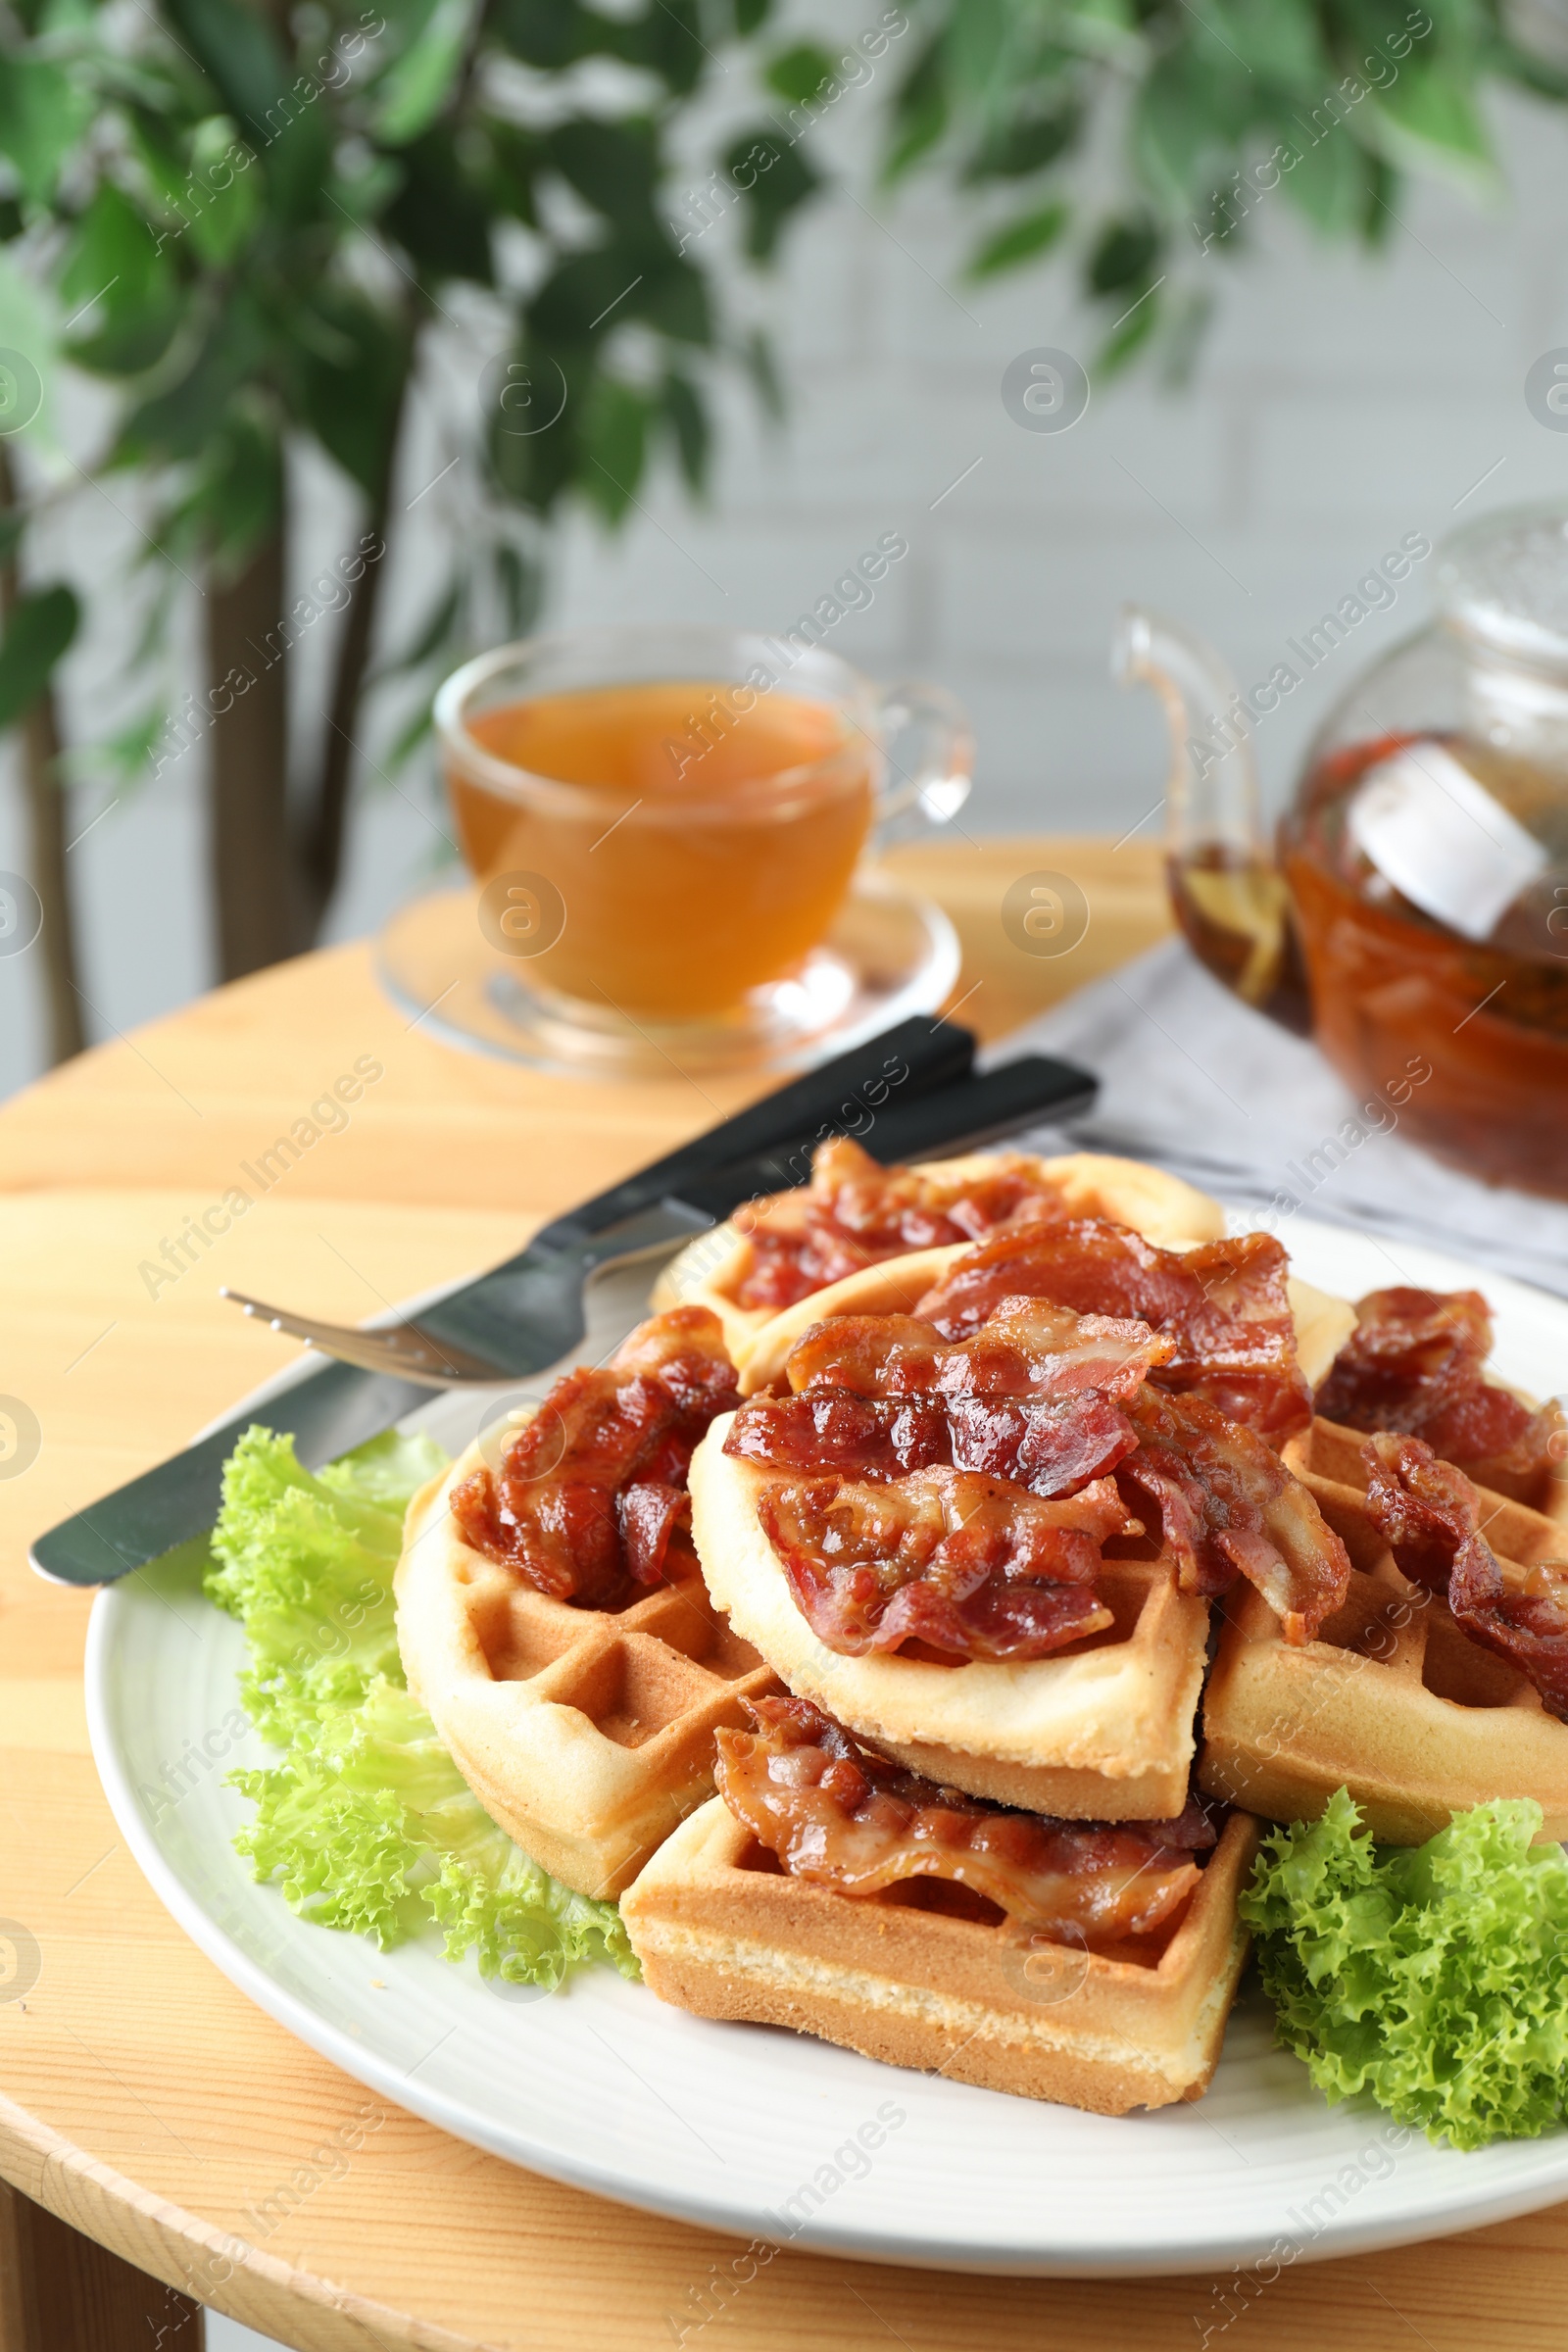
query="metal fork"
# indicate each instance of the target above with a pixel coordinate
(528, 1313)
(404, 1350)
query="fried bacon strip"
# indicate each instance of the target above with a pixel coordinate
(1034, 1396)
(1426, 1509)
(1529, 1626)
(855, 1212)
(1224, 1307)
(1051, 1402)
(1229, 1507)
(962, 1562)
(590, 1504)
(1431, 1514)
(836, 1813)
(1025, 1347)
(1415, 1363)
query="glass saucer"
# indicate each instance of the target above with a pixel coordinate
(888, 955)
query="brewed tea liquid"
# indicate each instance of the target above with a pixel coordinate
(700, 862)
(1394, 990)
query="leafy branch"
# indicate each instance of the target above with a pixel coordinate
(256, 220)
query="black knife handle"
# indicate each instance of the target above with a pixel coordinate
(950, 1119)
(902, 1064)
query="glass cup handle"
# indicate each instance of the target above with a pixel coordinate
(929, 752)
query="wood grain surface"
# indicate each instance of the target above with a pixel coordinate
(142, 2098)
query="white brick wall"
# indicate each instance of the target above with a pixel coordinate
(1339, 403)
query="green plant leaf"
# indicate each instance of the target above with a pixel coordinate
(920, 111)
(239, 51)
(1123, 256)
(774, 180)
(613, 165)
(673, 298)
(415, 87)
(27, 326)
(1126, 339)
(1181, 144)
(1516, 62)
(513, 157)
(520, 579)
(1023, 240)
(1329, 181)
(550, 34)
(41, 626)
(1279, 42)
(665, 39)
(225, 190)
(351, 383)
(1427, 120)
(615, 445)
(118, 261)
(688, 422)
(439, 216)
(1027, 140)
(43, 112)
(434, 635)
(756, 356)
(978, 46)
(799, 74)
(237, 497)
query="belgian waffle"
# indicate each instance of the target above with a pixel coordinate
(904, 1977)
(1392, 1700)
(1102, 1731)
(587, 1734)
(709, 1270)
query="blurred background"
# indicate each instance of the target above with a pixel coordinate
(268, 297)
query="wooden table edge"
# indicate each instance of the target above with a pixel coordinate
(157, 2238)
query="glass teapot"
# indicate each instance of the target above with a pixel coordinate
(1415, 909)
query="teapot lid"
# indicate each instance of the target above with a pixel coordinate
(1503, 583)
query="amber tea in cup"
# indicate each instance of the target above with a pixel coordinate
(665, 822)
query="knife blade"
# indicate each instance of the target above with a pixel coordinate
(528, 1313)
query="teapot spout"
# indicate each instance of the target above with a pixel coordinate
(1211, 793)
(1226, 892)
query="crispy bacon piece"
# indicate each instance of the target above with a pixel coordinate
(1426, 1508)
(1528, 1627)
(1025, 1347)
(1229, 1507)
(1034, 1396)
(590, 1501)
(838, 1814)
(1415, 1363)
(1431, 1515)
(952, 1558)
(1223, 1307)
(855, 1212)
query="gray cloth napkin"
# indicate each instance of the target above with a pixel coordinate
(1191, 1079)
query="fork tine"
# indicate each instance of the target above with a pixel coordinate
(403, 1349)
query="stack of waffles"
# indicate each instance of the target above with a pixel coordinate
(1016, 1862)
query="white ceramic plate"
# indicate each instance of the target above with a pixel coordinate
(749, 2128)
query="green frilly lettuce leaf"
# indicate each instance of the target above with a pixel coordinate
(1435, 1976)
(365, 1820)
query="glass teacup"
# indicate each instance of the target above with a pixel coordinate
(664, 823)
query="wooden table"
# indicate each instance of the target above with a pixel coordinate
(142, 2098)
